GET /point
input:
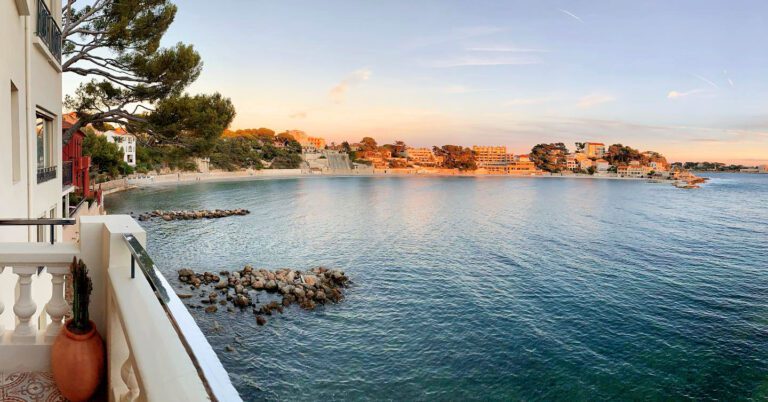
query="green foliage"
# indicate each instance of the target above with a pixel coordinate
(368, 144)
(81, 296)
(237, 153)
(248, 152)
(591, 170)
(618, 154)
(456, 157)
(550, 157)
(195, 122)
(117, 44)
(106, 157)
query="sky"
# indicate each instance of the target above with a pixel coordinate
(685, 78)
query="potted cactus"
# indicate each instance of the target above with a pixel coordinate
(77, 355)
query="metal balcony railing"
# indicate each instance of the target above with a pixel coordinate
(47, 30)
(212, 374)
(45, 174)
(66, 173)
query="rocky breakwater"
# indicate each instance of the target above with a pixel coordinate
(192, 215)
(307, 289)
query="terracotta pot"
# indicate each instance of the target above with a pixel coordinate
(78, 364)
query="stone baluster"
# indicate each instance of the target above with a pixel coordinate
(130, 381)
(25, 307)
(57, 307)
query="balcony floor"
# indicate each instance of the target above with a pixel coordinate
(29, 387)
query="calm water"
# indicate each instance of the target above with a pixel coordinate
(489, 288)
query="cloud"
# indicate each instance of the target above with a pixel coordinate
(712, 84)
(570, 14)
(338, 93)
(469, 61)
(454, 35)
(594, 100)
(677, 94)
(505, 49)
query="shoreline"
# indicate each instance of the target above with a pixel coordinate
(270, 174)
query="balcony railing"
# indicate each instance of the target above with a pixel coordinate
(47, 30)
(67, 172)
(45, 174)
(155, 350)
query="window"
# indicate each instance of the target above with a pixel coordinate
(15, 135)
(45, 145)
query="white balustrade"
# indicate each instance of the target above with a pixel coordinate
(24, 307)
(57, 307)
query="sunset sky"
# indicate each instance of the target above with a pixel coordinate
(685, 78)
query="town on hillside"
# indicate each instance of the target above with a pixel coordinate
(112, 152)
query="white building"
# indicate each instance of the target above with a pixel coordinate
(125, 141)
(30, 116)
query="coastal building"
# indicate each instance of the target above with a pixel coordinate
(521, 164)
(637, 170)
(317, 143)
(125, 141)
(571, 163)
(421, 156)
(595, 149)
(621, 170)
(657, 166)
(493, 159)
(76, 166)
(602, 166)
(585, 164)
(30, 118)
(762, 169)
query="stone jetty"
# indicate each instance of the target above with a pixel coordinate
(191, 215)
(307, 289)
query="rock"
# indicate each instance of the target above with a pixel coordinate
(271, 285)
(239, 289)
(186, 273)
(184, 295)
(211, 309)
(223, 302)
(223, 284)
(299, 292)
(229, 348)
(242, 301)
(261, 320)
(310, 280)
(230, 310)
(167, 218)
(258, 284)
(224, 273)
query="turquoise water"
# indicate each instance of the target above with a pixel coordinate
(488, 288)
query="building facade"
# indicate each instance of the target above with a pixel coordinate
(421, 156)
(595, 149)
(126, 142)
(30, 116)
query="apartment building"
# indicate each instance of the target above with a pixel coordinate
(595, 149)
(421, 156)
(125, 141)
(493, 159)
(30, 116)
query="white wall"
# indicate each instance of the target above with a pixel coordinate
(38, 80)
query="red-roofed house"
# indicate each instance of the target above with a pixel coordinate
(76, 167)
